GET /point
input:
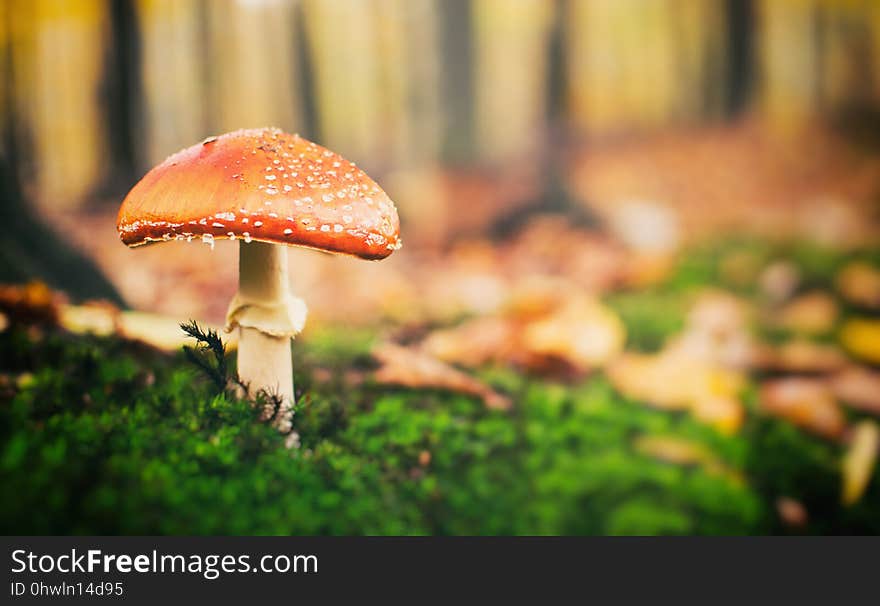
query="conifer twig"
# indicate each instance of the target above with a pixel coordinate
(209, 345)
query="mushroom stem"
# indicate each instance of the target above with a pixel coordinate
(263, 308)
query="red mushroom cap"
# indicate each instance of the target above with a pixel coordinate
(264, 185)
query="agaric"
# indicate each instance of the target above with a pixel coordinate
(267, 189)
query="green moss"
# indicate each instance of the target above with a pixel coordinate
(102, 436)
(650, 317)
(108, 439)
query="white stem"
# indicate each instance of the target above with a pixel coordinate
(264, 358)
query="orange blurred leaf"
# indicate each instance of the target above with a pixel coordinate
(411, 368)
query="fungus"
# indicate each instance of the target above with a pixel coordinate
(267, 189)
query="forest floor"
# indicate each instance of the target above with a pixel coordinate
(733, 393)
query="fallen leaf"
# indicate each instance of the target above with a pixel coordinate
(645, 269)
(812, 313)
(473, 343)
(861, 337)
(792, 512)
(416, 369)
(31, 303)
(717, 332)
(724, 413)
(537, 296)
(97, 318)
(649, 378)
(672, 450)
(680, 451)
(25, 380)
(671, 381)
(718, 313)
(858, 388)
(802, 356)
(779, 281)
(582, 335)
(547, 328)
(645, 226)
(859, 283)
(859, 460)
(807, 403)
(701, 369)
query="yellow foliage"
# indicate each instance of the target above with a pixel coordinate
(861, 337)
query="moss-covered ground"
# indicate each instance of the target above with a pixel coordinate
(102, 436)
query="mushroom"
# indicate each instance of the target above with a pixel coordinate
(267, 189)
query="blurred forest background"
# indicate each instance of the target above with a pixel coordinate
(645, 234)
(473, 114)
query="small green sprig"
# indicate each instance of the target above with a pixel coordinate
(209, 354)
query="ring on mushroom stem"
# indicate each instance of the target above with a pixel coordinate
(269, 189)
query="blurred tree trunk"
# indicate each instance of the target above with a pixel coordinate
(845, 62)
(873, 18)
(511, 42)
(120, 103)
(173, 82)
(644, 65)
(789, 83)
(457, 90)
(57, 57)
(818, 59)
(7, 132)
(422, 33)
(251, 65)
(412, 114)
(29, 250)
(407, 86)
(393, 81)
(376, 78)
(700, 34)
(740, 33)
(342, 48)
